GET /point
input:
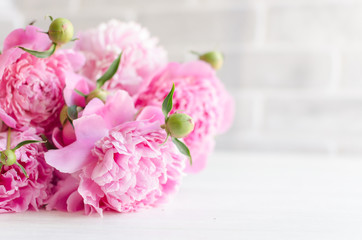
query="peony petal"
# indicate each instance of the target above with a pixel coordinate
(75, 202)
(152, 114)
(89, 129)
(76, 59)
(76, 155)
(7, 119)
(118, 109)
(75, 81)
(31, 37)
(64, 189)
(94, 106)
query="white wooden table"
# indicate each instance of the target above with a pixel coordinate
(239, 196)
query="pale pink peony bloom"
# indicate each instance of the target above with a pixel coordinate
(31, 89)
(75, 146)
(133, 169)
(18, 193)
(200, 94)
(124, 171)
(141, 56)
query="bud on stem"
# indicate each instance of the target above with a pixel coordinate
(179, 125)
(214, 58)
(8, 157)
(61, 31)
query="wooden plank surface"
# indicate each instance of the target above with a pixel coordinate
(238, 196)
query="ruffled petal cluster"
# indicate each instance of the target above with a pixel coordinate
(31, 89)
(133, 170)
(17, 192)
(142, 57)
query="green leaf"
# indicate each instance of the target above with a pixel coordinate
(182, 148)
(110, 72)
(44, 54)
(167, 103)
(26, 142)
(51, 18)
(22, 169)
(72, 112)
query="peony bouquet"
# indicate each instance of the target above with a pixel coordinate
(109, 125)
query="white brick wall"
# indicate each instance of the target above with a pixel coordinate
(294, 67)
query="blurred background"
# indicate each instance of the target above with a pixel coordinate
(294, 67)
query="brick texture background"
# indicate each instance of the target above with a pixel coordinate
(294, 67)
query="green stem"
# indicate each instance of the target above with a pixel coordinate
(195, 53)
(8, 141)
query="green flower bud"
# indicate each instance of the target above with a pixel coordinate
(179, 125)
(215, 59)
(97, 93)
(8, 157)
(63, 115)
(61, 31)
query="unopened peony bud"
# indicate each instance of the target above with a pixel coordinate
(179, 125)
(61, 31)
(215, 59)
(8, 157)
(97, 93)
(63, 115)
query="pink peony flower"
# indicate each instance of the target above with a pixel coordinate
(141, 56)
(31, 89)
(94, 122)
(133, 169)
(126, 170)
(200, 94)
(18, 193)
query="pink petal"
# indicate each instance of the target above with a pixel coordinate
(31, 37)
(119, 108)
(75, 202)
(75, 81)
(88, 130)
(7, 119)
(151, 113)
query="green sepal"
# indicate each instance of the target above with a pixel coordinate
(182, 148)
(195, 53)
(32, 22)
(44, 54)
(25, 143)
(80, 93)
(167, 103)
(47, 143)
(22, 169)
(168, 135)
(72, 112)
(110, 72)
